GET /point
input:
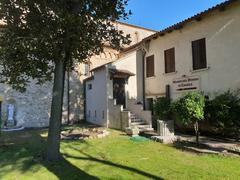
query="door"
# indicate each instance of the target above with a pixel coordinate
(119, 91)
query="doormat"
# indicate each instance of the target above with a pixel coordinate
(139, 139)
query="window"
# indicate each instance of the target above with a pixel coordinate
(89, 86)
(169, 57)
(150, 66)
(199, 54)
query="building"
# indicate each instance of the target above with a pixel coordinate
(114, 93)
(32, 108)
(200, 53)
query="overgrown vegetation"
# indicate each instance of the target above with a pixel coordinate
(189, 109)
(162, 108)
(223, 113)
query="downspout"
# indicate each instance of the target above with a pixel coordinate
(143, 77)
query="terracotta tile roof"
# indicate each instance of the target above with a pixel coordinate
(120, 72)
(179, 25)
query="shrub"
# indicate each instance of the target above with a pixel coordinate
(223, 112)
(162, 108)
(189, 109)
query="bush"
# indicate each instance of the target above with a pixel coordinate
(162, 108)
(223, 113)
(189, 109)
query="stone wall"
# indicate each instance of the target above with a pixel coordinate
(32, 108)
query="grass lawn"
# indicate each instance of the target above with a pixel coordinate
(114, 157)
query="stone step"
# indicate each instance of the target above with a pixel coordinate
(142, 126)
(146, 129)
(138, 123)
(136, 120)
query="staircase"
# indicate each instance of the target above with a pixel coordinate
(139, 123)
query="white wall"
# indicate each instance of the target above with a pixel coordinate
(127, 62)
(96, 99)
(222, 33)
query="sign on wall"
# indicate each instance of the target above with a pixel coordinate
(191, 83)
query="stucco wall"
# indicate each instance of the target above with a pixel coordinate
(96, 99)
(137, 33)
(127, 62)
(222, 33)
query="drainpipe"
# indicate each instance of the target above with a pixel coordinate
(143, 77)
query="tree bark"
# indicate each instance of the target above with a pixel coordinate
(196, 127)
(53, 141)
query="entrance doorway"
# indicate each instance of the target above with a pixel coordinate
(119, 91)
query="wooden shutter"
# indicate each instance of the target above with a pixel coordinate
(150, 66)
(169, 56)
(199, 54)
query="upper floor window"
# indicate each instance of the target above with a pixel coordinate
(169, 57)
(150, 66)
(199, 54)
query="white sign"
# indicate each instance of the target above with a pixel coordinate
(191, 83)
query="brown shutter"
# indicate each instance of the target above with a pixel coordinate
(150, 66)
(199, 54)
(169, 56)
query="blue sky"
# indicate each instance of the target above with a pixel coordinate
(159, 14)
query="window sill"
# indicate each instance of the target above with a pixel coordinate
(171, 73)
(200, 70)
(151, 77)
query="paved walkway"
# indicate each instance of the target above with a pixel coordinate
(214, 143)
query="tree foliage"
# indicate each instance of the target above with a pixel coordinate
(46, 37)
(190, 109)
(223, 113)
(162, 108)
(39, 33)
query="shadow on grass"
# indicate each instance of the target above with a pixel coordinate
(65, 170)
(88, 157)
(23, 151)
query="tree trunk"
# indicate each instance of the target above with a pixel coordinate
(53, 141)
(196, 132)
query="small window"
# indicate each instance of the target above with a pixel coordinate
(199, 54)
(95, 113)
(150, 66)
(89, 86)
(169, 57)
